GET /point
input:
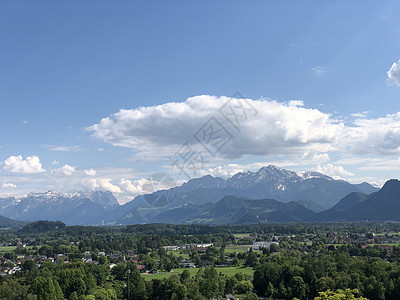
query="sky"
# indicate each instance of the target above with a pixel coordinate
(122, 95)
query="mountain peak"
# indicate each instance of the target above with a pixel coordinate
(391, 187)
(391, 183)
(312, 174)
(48, 194)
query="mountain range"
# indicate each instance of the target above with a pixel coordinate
(270, 194)
(383, 205)
(313, 190)
(76, 208)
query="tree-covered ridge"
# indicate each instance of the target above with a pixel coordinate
(42, 226)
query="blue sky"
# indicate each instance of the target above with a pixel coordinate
(66, 66)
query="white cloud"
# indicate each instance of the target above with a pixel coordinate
(55, 162)
(65, 170)
(318, 70)
(335, 171)
(90, 172)
(8, 185)
(394, 74)
(275, 129)
(224, 171)
(376, 182)
(360, 115)
(17, 164)
(283, 128)
(374, 136)
(133, 188)
(102, 184)
(63, 148)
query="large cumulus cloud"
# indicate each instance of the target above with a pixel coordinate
(275, 128)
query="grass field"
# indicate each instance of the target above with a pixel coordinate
(336, 245)
(178, 254)
(388, 233)
(240, 235)
(387, 244)
(228, 271)
(237, 248)
(5, 249)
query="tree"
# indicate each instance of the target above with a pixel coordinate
(209, 284)
(251, 259)
(298, 287)
(12, 290)
(105, 294)
(103, 260)
(273, 248)
(339, 295)
(46, 289)
(235, 261)
(185, 275)
(243, 287)
(250, 296)
(137, 286)
(28, 265)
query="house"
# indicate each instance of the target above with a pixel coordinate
(207, 263)
(260, 245)
(141, 268)
(186, 264)
(171, 248)
(200, 249)
(14, 270)
(117, 255)
(386, 247)
(195, 246)
(87, 255)
(21, 245)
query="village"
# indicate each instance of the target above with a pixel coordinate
(196, 255)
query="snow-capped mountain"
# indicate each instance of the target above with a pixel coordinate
(77, 208)
(313, 190)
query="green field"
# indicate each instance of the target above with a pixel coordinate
(336, 245)
(5, 249)
(228, 271)
(237, 248)
(388, 233)
(178, 254)
(241, 235)
(387, 244)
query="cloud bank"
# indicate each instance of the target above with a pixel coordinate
(275, 128)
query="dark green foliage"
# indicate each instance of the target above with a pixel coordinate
(12, 290)
(42, 226)
(46, 289)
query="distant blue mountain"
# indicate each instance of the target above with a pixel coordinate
(313, 190)
(271, 194)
